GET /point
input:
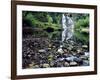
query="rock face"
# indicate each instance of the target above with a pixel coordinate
(44, 53)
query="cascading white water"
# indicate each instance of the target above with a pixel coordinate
(64, 27)
(68, 29)
(68, 26)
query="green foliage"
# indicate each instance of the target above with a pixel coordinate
(42, 19)
(82, 29)
(49, 19)
(82, 23)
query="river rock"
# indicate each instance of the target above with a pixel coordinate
(85, 63)
(66, 64)
(31, 65)
(29, 55)
(61, 59)
(65, 51)
(60, 50)
(70, 48)
(84, 46)
(36, 66)
(70, 58)
(86, 54)
(72, 42)
(83, 57)
(59, 64)
(73, 63)
(50, 45)
(49, 48)
(45, 65)
(52, 63)
(79, 61)
(79, 50)
(65, 55)
(42, 51)
(54, 46)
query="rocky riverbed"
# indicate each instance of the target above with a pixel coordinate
(43, 53)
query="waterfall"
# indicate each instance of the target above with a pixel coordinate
(68, 26)
(68, 29)
(64, 27)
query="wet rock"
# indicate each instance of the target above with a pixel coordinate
(31, 65)
(41, 65)
(65, 51)
(70, 58)
(85, 63)
(60, 50)
(74, 49)
(83, 57)
(52, 63)
(72, 42)
(49, 48)
(84, 46)
(50, 45)
(36, 66)
(70, 47)
(81, 53)
(46, 53)
(79, 50)
(54, 46)
(56, 43)
(66, 64)
(29, 55)
(42, 51)
(65, 55)
(45, 65)
(61, 59)
(79, 61)
(86, 54)
(73, 63)
(74, 53)
(59, 56)
(59, 64)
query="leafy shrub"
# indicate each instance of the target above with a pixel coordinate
(80, 25)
